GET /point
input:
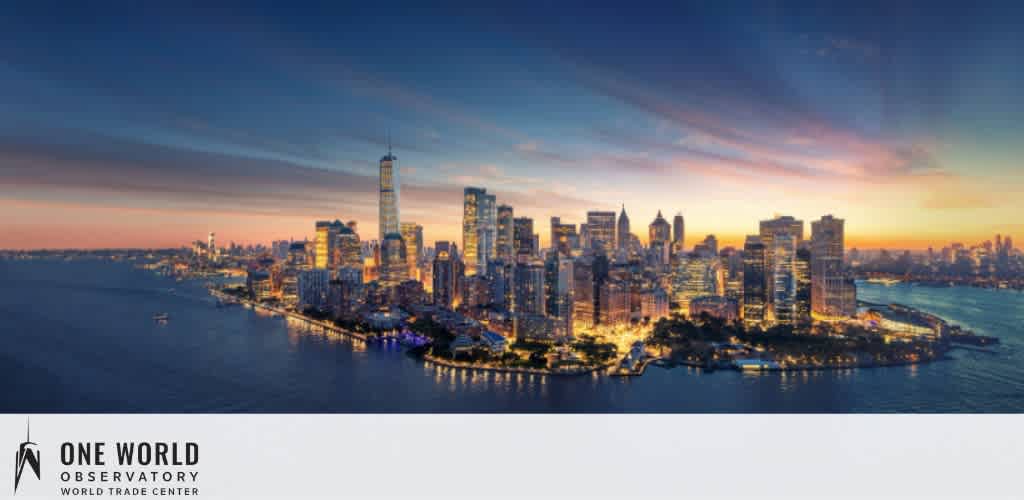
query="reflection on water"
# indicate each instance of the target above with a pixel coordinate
(101, 352)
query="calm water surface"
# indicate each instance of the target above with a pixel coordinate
(79, 337)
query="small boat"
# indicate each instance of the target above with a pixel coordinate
(160, 317)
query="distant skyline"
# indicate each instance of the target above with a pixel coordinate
(151, 125)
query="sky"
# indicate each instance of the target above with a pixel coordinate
(141, 125)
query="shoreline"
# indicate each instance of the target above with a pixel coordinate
(606, 370)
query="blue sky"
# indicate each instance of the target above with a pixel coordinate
(255, 121)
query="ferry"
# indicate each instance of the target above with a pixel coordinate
(757, 365)
(883, 281)
(160, 317)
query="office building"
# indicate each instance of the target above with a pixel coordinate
(784, 278)
(601, 230)
(830, 290)
(388, 200)
(479, 230)
(506, 234)
(394, 266)
(755, 293)
(678, 234)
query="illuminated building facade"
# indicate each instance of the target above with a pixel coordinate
(529, 288)
(658, 232)
(523, 241)
(601, 230)
(388, 201)
(506, 234)
(412, 235)
(562, 236)
(444, 274)
(479, 229)
(678, 234)
(784, 283)
(614, 303)
(558, 290)
(394, 266)
(755, 293)
(803, 285)
(694, 275)
(830, 290)
(584, 298)
(622, 234)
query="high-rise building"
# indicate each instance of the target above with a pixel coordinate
(658, 232)
(614, 303)
(558, 289)
(444, 274)
(622, 234)
(479, 230)
(780, 224)
(654, 303)
(523, 239)
(784, 278)
(389, 191)
(584, 298)
(412, 235)
(707, 248)
(803, 285)
(829, 288)
(678, 234)
(506, 234)
(695, 275)
(755, 293)
(529, 286)
(211, 245)
(312, 287)
(394, 267)
(562, 236)
(349, 252)
(601, 230)
(327, 251)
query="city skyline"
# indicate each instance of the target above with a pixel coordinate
(253, 129)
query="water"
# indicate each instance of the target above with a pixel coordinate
(79, 337)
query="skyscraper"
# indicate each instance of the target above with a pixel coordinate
(803, 285)
(479, 230)
(529, 287)
(412, 235)
(506, 234)
(327, 252)
(348, 251)
(393, 262)
(584, 298)
(558, 289)
(562, 236)
(658, 231)
(829, 289)
(388, 195)
(601, 228)
(523, 239)
(444, 279)
(694, 275)
(784, 278)
(678, 234)
(622, 234)
(755, 296)
(614, 303)
(768, 229)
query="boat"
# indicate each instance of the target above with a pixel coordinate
(883, 281)
(160, 317)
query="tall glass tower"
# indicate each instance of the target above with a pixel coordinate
(388, 195)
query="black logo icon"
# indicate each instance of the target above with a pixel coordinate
(27, 454)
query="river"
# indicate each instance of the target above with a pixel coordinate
(78, 336)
